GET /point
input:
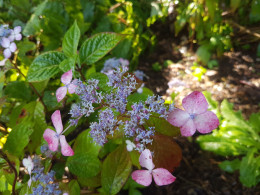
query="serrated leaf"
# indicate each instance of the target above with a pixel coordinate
(98, 46)
(18, 139)
(67, 64)
(71, 40)
(166, 152)
(84, 143)
(90, 182)
(74, 187)
(162, 126)
(45, 66)
(115, 171)
(103, 80)
(18, 90)
(84, 165)
(39, 126)
(230, 166)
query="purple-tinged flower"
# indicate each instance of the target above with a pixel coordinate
(2, 62)
(161, 176)
(53, 138)
(140, 74)
(104, 127)
(69, 86)
(195, 116)
(9, 47)
(15, 34)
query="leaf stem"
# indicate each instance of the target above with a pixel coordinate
(30, 84)
(13, 168)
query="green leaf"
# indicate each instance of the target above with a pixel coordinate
(163, 126)
(67, 64)
(18, 90)
(45, 66)
(255, 121)
(90, 182)
(38, 118)
(234, 118)
(137, 97)
(204, 53)
(84, 143)
(115, 171)
(74, 187)
(250, 169)
(71, 40)
(84, 165)
(18, 139)
(103, 80)
(98, 46)
(230, 166)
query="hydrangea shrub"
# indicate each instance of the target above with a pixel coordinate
(106, 124)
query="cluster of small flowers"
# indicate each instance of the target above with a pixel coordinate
(141, 112)
(46, 151)
(123, 85)
(88, 95)
(45, 182)
(105, 126)
(7, 38)
(112, 64)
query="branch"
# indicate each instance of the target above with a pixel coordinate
(243, 29)
(13, 168)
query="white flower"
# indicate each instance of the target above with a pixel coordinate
(129, 145)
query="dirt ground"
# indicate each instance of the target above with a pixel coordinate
(236, 79)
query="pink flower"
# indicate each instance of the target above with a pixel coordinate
(9, 47)
(53, 138)
(161, 176)
(195, 116)
(15, 34)
(66, 80)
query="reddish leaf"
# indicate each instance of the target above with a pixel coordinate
(166, 152)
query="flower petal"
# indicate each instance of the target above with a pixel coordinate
(145, 159)
(66, 150)
(72, 88)
(56, 121)
(178, 117)
(188, 129)
(162, 177)
(206, 122)
(7, 53)
(18, 37)
(195, 103)
(13, 47)
(61, 93)
(51, 137)
(2, 62)
(66, 77)
(143, 177)
(5, 42)
(17, 29)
